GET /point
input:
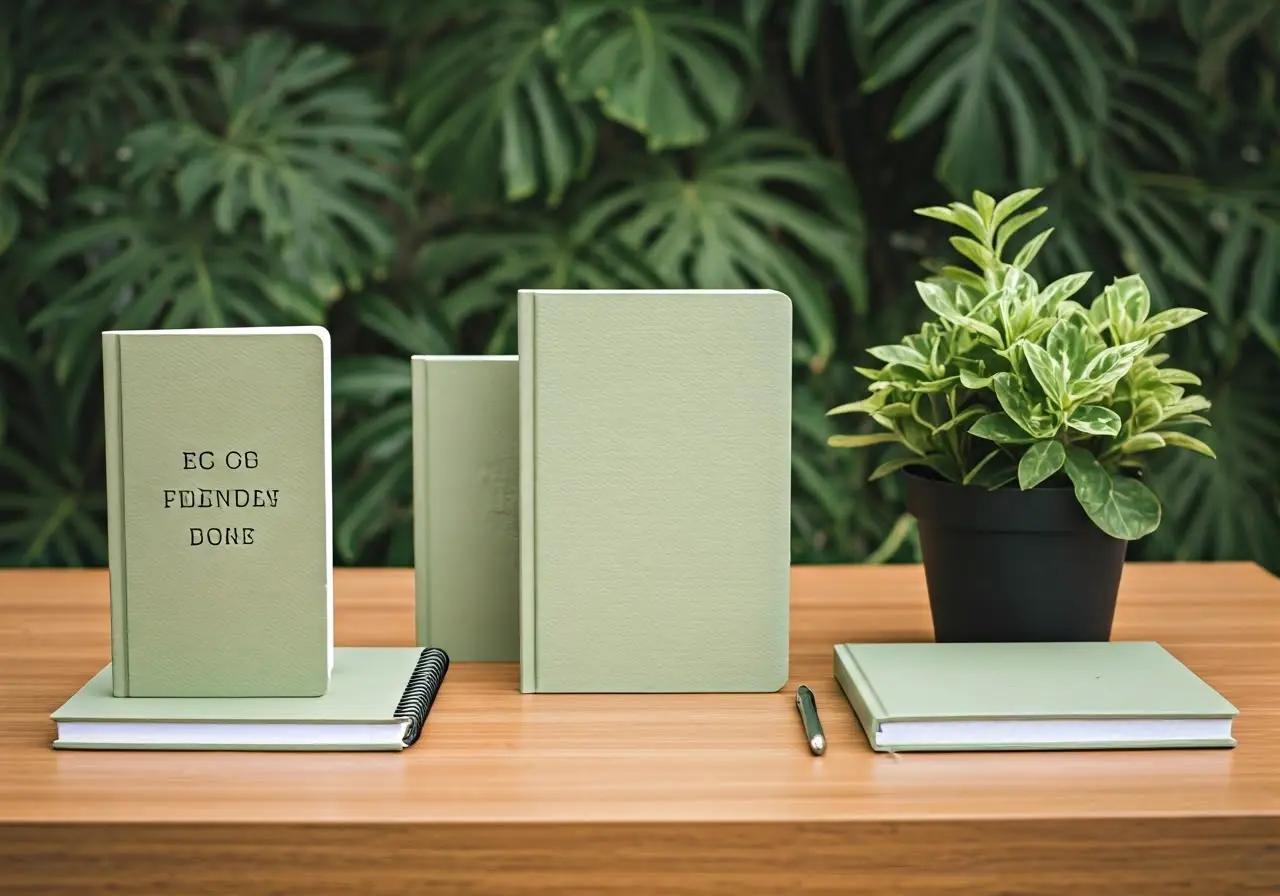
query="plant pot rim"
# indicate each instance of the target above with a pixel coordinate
(938, 481)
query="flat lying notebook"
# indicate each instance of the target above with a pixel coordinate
(1040, 696)
(378, 699)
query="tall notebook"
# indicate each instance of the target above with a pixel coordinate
(219, 511)
(378, 699)
(655, 490)
(1029, 696)
(466, 491)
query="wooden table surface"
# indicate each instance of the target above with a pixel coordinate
(593, 794)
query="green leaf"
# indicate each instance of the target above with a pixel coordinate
(730, 217)
(985, 206)
(1168, 320)
(673, 73)
(1011, 203)
(1143, 441)
(1107, 367)
(900, 354)
(1067, 344)
(1094, 420)
(483, 113)
(1018, 405)
(1127, 304)
(1063, 288)
(1041, 461)
(862, 440)
(1033, 69)
(977, 468)
(971, 380)
(1000, 427)
(975, 252)
(1120, 506)
(868, 405)
(1013, 225)
(899, 463)
(937, 301)
(959, 419)
(1182, 440)
(1028, 252)
(1050, 372)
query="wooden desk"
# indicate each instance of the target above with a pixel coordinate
(694, 794)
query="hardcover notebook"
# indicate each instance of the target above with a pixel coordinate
(379, 699)
(655, 489)
(1029, 696)
(219, 511)
(466, 491)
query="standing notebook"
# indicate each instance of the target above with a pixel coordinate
(655, 490)
(466, 490)
(379, 699)
(219, 511)
(1038, 696)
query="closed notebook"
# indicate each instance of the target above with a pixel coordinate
(378, 699)
(655, 490)
(219, 511)
(1029, 696)
(466, 491)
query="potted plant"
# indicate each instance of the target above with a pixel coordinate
(1022, 421)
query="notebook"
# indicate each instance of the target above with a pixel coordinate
(378, 699)
(655, 496)
(466, 491)
(219, 511)
(1029, 696)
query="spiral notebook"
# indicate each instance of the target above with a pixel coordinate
(378, 699)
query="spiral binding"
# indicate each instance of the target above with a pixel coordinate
(420, 692)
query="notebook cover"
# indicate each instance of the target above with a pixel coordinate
(466, 446)
(655, 490)
(1077, 680)
(219, 511)
(368, 684)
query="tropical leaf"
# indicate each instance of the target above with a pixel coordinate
(731, 223)
(138, 269)
(477, 271)
(675, 73)
(804, 24)
(483, 111)
(290, 149)
(985, 67)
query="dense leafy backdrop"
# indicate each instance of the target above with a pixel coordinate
(398, 169)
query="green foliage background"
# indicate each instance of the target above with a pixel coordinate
(396, 170)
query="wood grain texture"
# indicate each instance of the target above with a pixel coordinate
(511, 793)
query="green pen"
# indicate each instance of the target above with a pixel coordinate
(809, 715)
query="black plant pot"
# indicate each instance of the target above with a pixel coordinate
(1009, 565)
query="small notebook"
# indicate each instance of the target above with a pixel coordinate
(1029, 696)
(378, 699)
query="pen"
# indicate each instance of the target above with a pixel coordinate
(809, 715)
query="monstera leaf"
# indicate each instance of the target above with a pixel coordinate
(476, 271)
(288, 148)
(668, 70)
(483, 113)
(987, 66)
(804, 21)
(139, 268)
(731, 224)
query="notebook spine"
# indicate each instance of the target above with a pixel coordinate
(420, 693)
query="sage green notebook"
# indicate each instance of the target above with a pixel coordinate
(219, 511)
(378, 699)
(466, 491)
(1029, 696)
(655, 434)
